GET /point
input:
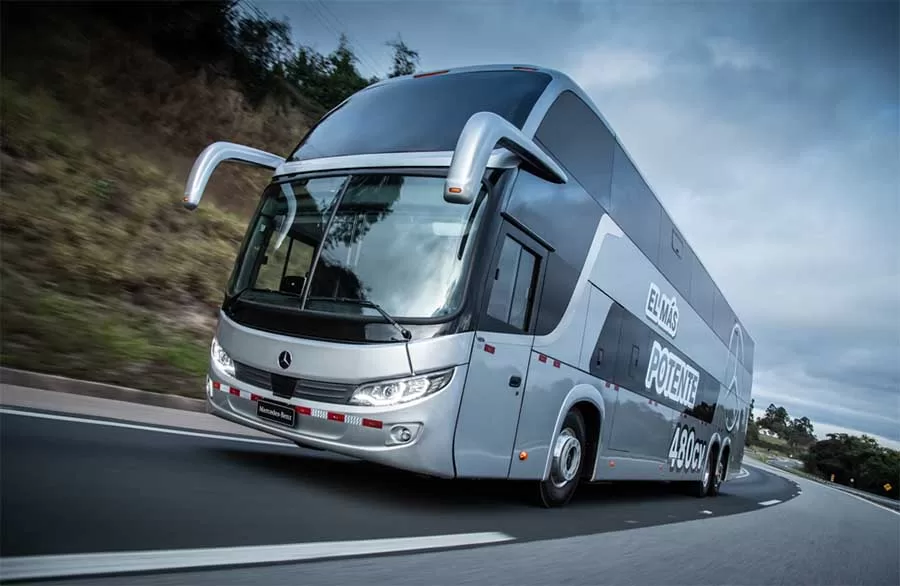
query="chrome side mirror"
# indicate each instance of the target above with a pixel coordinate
(482, 133)
(219, 152)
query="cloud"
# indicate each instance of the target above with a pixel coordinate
(606, 68)
(782, 176)
(728, 52)
(770, 132)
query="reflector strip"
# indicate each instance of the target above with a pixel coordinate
(544, 358)
(354, 420)
(429, 74)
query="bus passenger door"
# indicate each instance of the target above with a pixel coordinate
(498, 369)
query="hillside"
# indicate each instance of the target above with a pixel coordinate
(104, 275)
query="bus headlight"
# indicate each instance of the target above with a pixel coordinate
(221, 358)
(385, 394)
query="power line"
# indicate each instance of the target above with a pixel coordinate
(361, 52)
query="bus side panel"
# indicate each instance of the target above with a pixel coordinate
(548, 386)
(489, 410)
(551, 378)
(625, 274)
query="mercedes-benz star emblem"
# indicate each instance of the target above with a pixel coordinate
(284, 359)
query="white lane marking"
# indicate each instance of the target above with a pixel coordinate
(859, 498)
(706, 512)
(742, 474)
(54, 566)
(782, 473)
(70, 418)
(771, 502)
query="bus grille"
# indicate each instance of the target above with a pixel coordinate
(314, 390)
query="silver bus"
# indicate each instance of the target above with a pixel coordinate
(463, 274)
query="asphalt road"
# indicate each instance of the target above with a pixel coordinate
(69, 487)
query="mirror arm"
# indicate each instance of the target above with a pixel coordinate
(484, 132)
(212, 156)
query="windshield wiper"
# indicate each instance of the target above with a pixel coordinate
(366, 303)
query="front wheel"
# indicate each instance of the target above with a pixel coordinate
(566, 462)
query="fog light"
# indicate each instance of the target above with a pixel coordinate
(401, 434)
(209, 387)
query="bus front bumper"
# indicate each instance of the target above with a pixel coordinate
(417, 436)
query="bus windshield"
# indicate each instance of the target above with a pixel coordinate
(383, 239)
(420, 114)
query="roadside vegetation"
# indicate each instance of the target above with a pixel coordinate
(104, 106)
(859, 462)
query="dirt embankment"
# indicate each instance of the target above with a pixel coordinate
(104, 275)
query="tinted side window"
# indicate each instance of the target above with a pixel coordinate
(749, 348)
(603, 360)
(566, 217)
(424, 114)
(580, 142)
(723, 317)
(701, 292)
(514, 281)
(634, 207)
(633, 334)
(674, 257)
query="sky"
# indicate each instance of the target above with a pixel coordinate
(769, 130)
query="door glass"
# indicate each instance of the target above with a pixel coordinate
(513, 289)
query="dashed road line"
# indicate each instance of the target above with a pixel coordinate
(769, 503)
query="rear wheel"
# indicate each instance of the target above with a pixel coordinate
(719, 476)
(701, 488)
(566, 462)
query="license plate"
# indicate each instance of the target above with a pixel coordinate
(275, 412)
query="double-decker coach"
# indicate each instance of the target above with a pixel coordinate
(463, 274)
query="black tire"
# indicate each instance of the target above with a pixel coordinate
(557, 490)
(718, 477)
(700, 488)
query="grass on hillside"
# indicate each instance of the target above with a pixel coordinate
(104, 275)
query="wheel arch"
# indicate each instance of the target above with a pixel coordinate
(586, 397)
(725, 447)
(716, 442)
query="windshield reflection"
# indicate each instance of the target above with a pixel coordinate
(392, 240)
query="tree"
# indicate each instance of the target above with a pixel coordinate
(800, 433)
(405, 59)
(861, 458)
(776, 419)
(752, 436)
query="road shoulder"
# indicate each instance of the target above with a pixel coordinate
(16, 396)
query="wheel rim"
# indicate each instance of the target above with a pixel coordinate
(566, 458)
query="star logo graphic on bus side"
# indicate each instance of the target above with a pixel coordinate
(732, 376)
